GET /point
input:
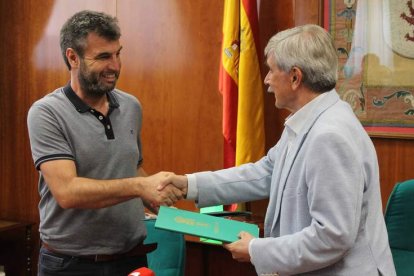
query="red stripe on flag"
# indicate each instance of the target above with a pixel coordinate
(326, 18)
(250, 7)
(229, 90)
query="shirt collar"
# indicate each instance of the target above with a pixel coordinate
(296, 121)
(81, 106)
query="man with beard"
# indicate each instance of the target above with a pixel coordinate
(85, 142)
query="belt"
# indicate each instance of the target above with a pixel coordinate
(139, 250)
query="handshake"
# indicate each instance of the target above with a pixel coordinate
(163, 188)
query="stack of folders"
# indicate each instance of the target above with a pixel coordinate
(203, 225)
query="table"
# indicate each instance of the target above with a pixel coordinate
(209, 259)
(205, 259)
(16, 247)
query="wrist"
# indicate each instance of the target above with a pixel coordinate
(191, 192)
(138, 186)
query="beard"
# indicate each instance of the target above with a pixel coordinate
(91, 84)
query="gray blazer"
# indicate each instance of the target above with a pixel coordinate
(324, 215)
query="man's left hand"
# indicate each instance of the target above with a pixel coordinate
(240, 249)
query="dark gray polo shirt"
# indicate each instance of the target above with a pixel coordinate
(62, 126)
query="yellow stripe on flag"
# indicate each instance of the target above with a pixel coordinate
(231, 38)
(250, 141)
(241, 86)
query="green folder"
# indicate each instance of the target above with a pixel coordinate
(202, 225)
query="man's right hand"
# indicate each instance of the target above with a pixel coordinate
(178, 181)
(168, 195)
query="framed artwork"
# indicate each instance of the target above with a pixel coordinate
(375, 45)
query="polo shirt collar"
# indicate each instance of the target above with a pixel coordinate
(81, 106)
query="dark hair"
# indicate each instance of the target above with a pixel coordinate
(76, 29)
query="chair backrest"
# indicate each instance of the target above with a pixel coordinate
(399, 218)
(169, 257)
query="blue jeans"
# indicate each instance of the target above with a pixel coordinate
(54, 264)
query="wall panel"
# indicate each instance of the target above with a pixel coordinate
(31, 67)
(170, 62)
(395, 163)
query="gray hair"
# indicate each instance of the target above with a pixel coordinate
(311, 49)
(76, 29)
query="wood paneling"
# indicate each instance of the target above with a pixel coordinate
(16, 248)
(307, 12)
(31, 67)
(394, 158)
(205, 259)
(170, 62)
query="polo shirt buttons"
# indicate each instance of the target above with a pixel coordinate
(100, 117)
(108, 127)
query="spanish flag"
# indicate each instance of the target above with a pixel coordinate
(240, 83)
